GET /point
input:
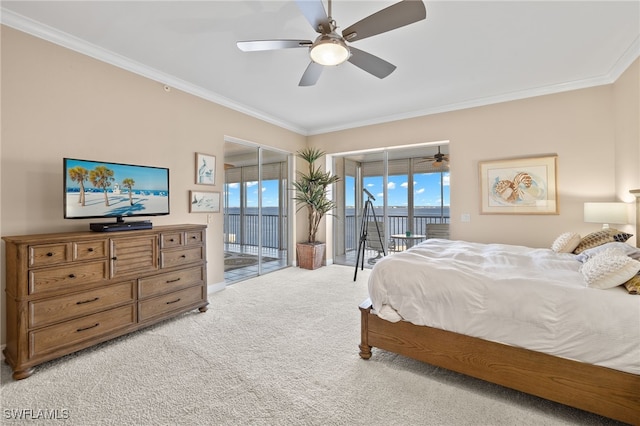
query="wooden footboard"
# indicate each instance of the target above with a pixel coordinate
(599, 390)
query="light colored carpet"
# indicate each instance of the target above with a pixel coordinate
(281, 349)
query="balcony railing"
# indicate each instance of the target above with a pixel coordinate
(397, 225)
(272, 225)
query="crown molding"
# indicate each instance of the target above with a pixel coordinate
(45, 32)
(628, 57)
(60, 38)
(475, 103)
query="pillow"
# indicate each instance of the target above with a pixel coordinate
(623, 248)
(633, 285)
(566, 243)
(607, 271)
(598, 238)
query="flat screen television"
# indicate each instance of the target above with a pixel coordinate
(99, 189)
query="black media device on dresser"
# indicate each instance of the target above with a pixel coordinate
(69, 291)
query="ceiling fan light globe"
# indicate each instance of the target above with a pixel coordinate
(329, 51)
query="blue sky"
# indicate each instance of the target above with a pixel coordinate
(149, 178)
(426, 187)
(426, 191)
(269, 192)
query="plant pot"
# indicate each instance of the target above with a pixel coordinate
(310, 255)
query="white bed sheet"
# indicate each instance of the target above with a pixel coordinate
(530, 298)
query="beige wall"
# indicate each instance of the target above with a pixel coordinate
(583, 127)
(56, 103)
(626, 110)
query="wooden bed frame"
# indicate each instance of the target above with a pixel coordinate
(600, 390)
(604, 391)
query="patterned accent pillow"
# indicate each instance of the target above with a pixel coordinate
(633, 285)
(598, 238)
(606, 271)
(623, 248)
(566, 243)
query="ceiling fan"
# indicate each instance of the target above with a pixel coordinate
(330, 48)
(438, 160)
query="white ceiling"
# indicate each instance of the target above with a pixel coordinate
(464, 54)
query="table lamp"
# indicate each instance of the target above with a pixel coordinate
(606, 213)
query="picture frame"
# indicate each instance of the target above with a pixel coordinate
(205, 169)
(204, 202)
(525, 185)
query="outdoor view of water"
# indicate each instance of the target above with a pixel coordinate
(271, 224)
(350, 211)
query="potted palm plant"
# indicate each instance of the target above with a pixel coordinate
(311, 192)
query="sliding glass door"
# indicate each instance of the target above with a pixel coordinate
(347, 204)
(256, 226)
(408, 190)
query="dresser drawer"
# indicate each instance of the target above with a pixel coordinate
(172, 239)
(59, 309)
(194, 238)
(49, 254)
(161, 305)
(89, 250)
(68, 291)
(171, 281)
(67, 277)
(171, 258)
(49, 339)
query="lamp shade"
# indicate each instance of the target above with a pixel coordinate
(330, 50)
(606, 213)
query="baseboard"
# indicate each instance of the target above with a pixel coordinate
(214, 288)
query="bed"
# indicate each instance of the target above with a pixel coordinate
(528, 319)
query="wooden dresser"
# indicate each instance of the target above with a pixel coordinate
(69, 291)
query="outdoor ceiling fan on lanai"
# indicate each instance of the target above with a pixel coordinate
(438, 160)
(331, 48)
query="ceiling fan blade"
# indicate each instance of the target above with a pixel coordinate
(256, 45)
(314, 11)
(370, 63)
(311, 74)
(395, 16)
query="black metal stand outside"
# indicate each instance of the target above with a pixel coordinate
(367, 212)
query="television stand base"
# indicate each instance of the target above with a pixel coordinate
(121, 226)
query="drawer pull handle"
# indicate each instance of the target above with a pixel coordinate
(194, 237)
(90, 249)
(171, 240)
(50, 254)
(88, 328)
(174, 301)
(87, 301)
(183, 256)
(72, 275)
(173, 281)
(114, 258)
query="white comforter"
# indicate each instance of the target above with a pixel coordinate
(530, 298)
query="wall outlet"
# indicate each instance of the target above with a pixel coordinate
(465, 217)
